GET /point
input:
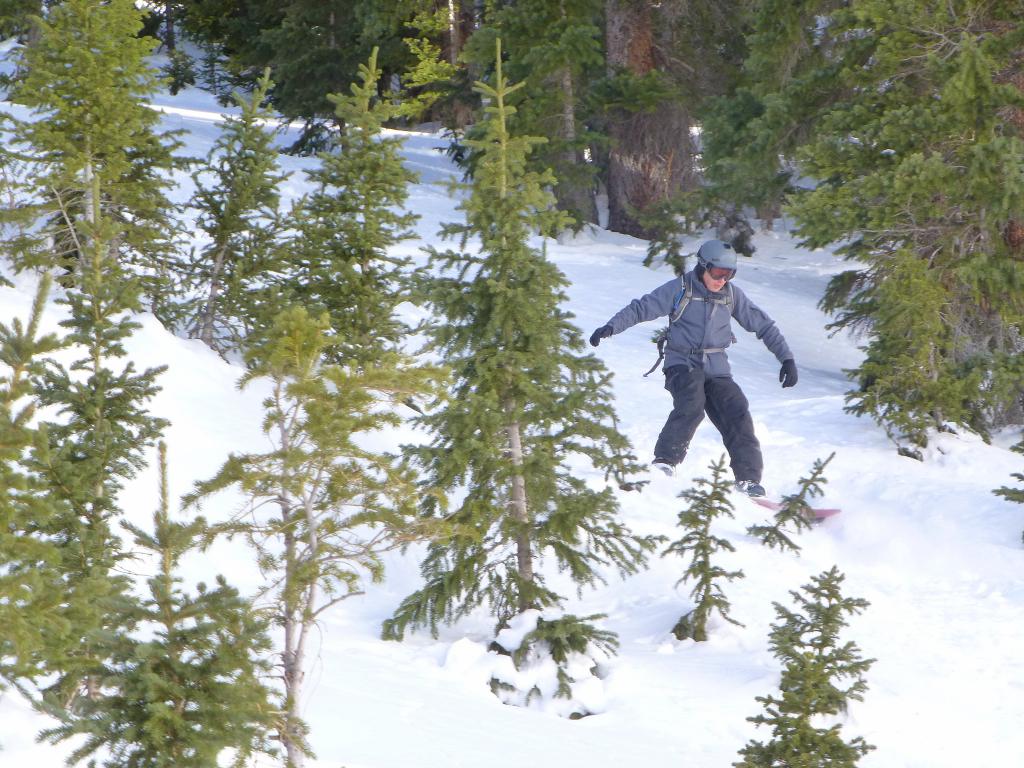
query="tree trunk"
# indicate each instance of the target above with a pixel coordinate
(1013, 233)
(520, 511)
(170, 38)
(651, 157)
(291, 656)
(571, 194)
(298, 600)
(460, 26)
(455, 39)
(210, 308)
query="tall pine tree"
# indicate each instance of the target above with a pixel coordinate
(555, 50)
(323, 508)
(99, 442)
(342, 259)
(93, 143)
(525, 404)
(916, 140)
(30, 587)
(749, 134)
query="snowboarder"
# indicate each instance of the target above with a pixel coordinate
(699, 306)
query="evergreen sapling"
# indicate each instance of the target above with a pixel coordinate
(30, 587)
(321, 509)
(93, 143)
(820, 676)
(524, 405)
(186, 688)
(550, 659)
(343, 258)
(99, 442)
(709, 500)
(796, 514)
(237, 201)
(1014, 494)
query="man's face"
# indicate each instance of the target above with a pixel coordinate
(716, 284)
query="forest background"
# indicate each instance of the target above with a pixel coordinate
(891, 135)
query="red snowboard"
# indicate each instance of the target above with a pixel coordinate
(820, 513)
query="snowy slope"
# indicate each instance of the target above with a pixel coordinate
(936, 554)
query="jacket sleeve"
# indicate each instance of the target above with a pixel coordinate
(754, 319)
(657, 303)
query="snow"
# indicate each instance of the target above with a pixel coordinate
(938, 556)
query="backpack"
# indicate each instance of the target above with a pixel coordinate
(679, 305)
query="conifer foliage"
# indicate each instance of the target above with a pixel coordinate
(237, 198)
(1014, 494)
(342, 257)
(30, 588)
(92, 146)
(524, 404)
(188, 683)
(796, 514)
(321, 508)
(709, 500)
(549, 656)
(820, 676)
(918, 152)
(98, 442)
(555, 51)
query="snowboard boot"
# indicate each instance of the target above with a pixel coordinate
(750, 488)
(664, 465)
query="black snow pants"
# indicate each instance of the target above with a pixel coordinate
(693, 395)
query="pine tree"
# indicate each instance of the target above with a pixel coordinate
(98, 443)
(909, 380)
(92, 143)
(428, 85)
(30, 588)
(322, 508)
(524, 406)
(555, 653)
(438, 68)
(750, 134)
(796, 514)
(188, 684)
(238, 212)
(342, 257)
(555, 51)
(917, 154)
(313, 47)
(709, 500)
(819, 679)
(15, 18)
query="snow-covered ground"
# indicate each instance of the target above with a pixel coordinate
(938, 556)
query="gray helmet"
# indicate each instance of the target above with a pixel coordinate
(716, 253)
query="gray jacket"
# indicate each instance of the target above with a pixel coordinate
(704, 325)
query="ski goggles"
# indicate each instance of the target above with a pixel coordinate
(721, 273)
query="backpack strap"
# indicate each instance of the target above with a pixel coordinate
(683, 298)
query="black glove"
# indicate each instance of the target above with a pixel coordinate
(601, 333)
(788, 375)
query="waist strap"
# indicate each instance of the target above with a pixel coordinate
(698, 351)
